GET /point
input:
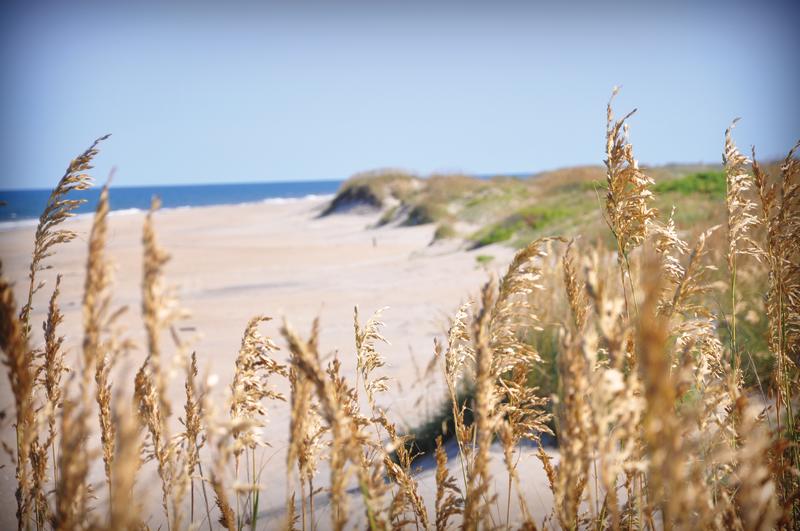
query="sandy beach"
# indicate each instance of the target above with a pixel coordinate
(280, 259)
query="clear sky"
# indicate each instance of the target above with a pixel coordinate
(307, 91)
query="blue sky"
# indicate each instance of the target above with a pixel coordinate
(258, 92)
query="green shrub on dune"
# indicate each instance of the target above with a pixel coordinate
(711, 183)
(532, 217)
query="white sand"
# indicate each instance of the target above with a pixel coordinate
(230, 263)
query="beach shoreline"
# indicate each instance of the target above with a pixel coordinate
(14, 223)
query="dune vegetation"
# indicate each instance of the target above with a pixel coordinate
(660, 349)
(516, 210)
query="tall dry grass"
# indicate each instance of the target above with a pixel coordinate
(655, 425)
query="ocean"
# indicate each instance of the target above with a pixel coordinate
(20, 205)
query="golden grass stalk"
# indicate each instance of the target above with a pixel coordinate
(192, 424)
(506, 435)
(612, 423)
(96, 308)
(291, 514)
(250, 384)
(628, 197)
(448, 496)
(14, 344)
(159, 311)
(671, 248)
(364, 454)
(124, 505)
(374, 487)
(741, 218)
(368, 358)
(48, 377)
(219, 432)
(573, 418)
(460, 351)
(676, 485)
(458, 354)
(58, 209)
(685, 285)
(47, 236)
(250, 387)
(400, 472)
(513, 318)
(790, 226)
(307, 362)
(305, 433)
(227, 517)
(598, 409)
(72, 490)
(159, 305)
(38, 461)
(697, 368)
(53, 366)
(780, 216)
(576, 293)
(755, 493)
(477, 502)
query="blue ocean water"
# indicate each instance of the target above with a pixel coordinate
(28, 204)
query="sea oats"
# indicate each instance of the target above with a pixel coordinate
(741, 219)
(125, 508)
(780, 216)
(159, 311)
(227, 518)
(374, 488)
(14, 344)
(448, 496)
(250, 386)
(192, 423)
(512, 320)
(458, 355)
(670, 247)
(367, 357)
(47, 236)
(670, 450)
(48, 380)
(305, 432)
(628, 197)
(512, 316)
(573, 418)
(755, 493)
(72, 488)
(291, 515)
(53, 367)
(99, 352)
(506, 436)
(477, 497)
(334, 414)
(58, 209)
(575, 290)
(400, 472)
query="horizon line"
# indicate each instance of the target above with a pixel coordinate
(517, 174)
